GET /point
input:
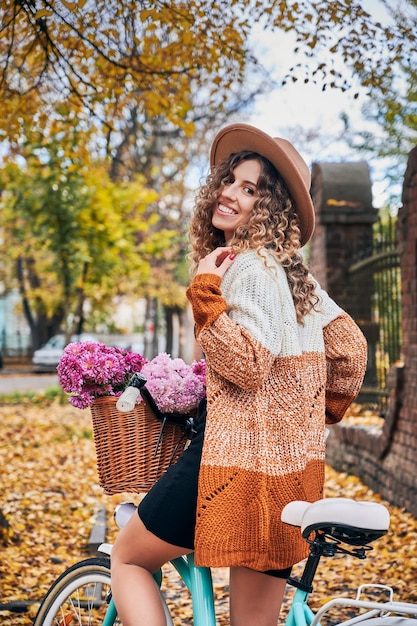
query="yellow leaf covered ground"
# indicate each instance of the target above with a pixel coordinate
(50, 495)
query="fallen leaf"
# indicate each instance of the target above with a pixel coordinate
(50, 495)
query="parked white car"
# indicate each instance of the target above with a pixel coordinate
(47, 358)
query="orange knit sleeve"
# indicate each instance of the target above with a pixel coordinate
(206, 299)
(346, 356)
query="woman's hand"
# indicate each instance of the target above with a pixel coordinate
(217, 262)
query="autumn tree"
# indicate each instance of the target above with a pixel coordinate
(159, 53)
(134, 71)
(144, 78)
(391, 111)
(125, 79)
(69, 234)
(142, 75)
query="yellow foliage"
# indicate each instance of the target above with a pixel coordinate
(129, 55)
(76, 230)
(42, 13)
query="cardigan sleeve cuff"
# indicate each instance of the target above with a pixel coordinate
(206, 299)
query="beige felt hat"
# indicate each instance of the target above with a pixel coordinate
(283, 156)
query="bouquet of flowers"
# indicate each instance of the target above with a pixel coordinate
(89, 370)
(175, 386)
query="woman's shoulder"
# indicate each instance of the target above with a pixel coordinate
(262, 263)
(257, 260)
(254, 267)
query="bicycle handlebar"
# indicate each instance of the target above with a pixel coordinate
(127, 400)
(136, 386)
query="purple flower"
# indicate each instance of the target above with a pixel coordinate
(199, 369)
(88, 370)
(175, 386)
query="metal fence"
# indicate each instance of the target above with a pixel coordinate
(379, 270)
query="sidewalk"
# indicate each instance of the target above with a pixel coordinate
(20, 376)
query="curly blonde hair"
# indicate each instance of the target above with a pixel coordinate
(273, 225)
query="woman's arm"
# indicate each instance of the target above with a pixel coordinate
(346, 357)
(241, 338)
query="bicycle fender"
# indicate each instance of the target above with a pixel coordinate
(105, 548)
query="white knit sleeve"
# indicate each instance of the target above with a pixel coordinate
(254, 301)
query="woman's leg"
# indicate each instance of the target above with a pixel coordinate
(255, 598)
(136, 554)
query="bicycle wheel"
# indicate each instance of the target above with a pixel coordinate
(79, 596)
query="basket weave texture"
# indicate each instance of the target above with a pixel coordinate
(129, 458)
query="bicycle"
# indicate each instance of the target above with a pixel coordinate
(82, 594)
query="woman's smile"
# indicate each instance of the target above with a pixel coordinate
(225, 209)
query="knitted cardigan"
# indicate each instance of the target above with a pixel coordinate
(271, 386)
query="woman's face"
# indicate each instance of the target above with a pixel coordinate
(237, 198)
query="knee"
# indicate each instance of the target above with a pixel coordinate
(129, 549)
(116, 557)
(126, 544)
(124, 551)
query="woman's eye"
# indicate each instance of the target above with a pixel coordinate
(250, 191)
(228, 181)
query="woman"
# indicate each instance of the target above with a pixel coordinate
(282, 359)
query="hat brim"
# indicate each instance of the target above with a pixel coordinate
(283, 156)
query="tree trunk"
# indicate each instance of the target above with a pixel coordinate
(169, 323)
(41, 326)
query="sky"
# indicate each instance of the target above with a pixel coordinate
(306, 106)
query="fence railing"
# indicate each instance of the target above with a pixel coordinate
(378, 270)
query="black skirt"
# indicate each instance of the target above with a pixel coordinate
(169, 509)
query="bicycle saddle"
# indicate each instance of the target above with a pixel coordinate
(344, 519)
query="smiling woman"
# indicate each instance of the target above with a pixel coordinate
(281, 359)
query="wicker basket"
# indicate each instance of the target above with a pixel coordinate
(129, 458)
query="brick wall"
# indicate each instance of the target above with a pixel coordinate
(386, 459)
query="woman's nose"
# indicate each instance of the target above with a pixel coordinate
(229, 191)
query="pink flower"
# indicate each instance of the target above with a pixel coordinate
(89, 370)
(175, 386)
(199, 369)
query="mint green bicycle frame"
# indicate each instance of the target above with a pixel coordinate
(198, 581)
(300, 613)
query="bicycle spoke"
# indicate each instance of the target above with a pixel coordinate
(79, 597)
